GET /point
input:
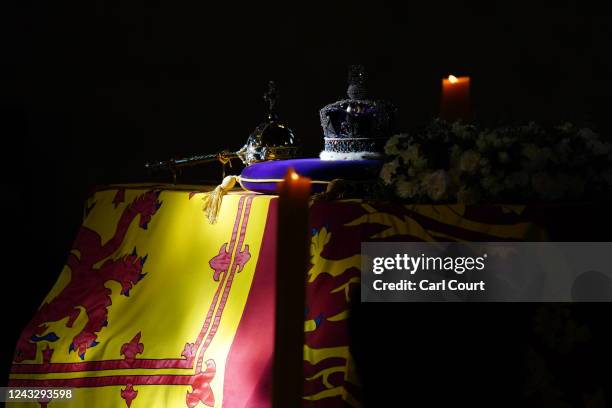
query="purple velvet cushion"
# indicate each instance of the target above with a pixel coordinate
(319, 171)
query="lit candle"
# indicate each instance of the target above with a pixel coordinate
(294, 190)
(455, 102)
(292, 261)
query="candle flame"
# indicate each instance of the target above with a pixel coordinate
(452, 79)
(294, 175)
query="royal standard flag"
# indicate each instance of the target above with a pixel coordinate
(156, 307)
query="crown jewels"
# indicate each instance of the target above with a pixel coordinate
(271, 139)
(356, 128)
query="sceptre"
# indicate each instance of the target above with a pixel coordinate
(271, 140)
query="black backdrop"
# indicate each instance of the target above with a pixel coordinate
(89, 91)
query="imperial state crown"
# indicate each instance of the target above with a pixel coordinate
(356, 128)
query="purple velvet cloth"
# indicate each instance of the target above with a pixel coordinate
(315, 169)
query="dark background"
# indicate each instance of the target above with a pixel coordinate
(89, 91)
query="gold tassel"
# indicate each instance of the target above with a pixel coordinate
(213, 199)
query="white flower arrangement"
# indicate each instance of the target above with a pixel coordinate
(462, 163)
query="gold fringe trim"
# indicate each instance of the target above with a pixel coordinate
(213, 199)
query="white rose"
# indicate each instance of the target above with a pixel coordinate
(461, 130)
(410, 154)
(388, 171)
(437, 184)
(391, 145)
(406, 189)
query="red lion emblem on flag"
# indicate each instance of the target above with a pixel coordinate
(86, 288)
